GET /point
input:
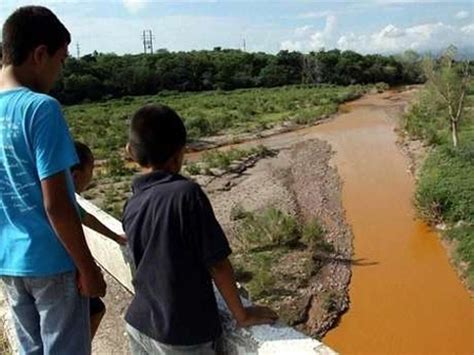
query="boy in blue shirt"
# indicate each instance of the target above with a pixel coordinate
(46, 267)
(178, 248)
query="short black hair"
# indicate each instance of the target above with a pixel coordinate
(29, 27)
(156, 134)
(84, 153)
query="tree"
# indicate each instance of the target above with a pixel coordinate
(450, 81)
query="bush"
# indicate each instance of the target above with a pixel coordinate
(426, 120)
(192, 169)
(445, 192)
(198, 127)
(268, 228)
(381, 87)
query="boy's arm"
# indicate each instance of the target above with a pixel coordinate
(223, 276)
(65, 222)
(96, 225)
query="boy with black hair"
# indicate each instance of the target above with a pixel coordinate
(82, 175)
(46, 267)
(177, 246)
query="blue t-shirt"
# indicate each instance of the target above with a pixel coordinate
(35, 144)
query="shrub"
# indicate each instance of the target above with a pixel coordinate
(193, 168)
(445, 191)
(381, 87)
(268, 228)
(198, 127)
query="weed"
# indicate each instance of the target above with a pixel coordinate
(268, 228)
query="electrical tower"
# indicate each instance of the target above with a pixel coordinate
(244, 45)
(78, 50)
(148, 41)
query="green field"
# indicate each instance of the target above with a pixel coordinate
(104, 125)
(445, 188)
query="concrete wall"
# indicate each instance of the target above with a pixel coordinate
(261, 340)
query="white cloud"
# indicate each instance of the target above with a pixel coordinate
(461, 15)
(135, 6)
(317, 40)
(468, 30)
(389, 39)
(392, 31)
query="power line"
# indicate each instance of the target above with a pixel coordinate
(148, 38)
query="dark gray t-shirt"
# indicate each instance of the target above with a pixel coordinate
(174, 238)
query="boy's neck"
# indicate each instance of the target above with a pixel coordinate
(163, 169)
(12, 77)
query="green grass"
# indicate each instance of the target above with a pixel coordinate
(445, 187)
(104, 125)
(269, 228)
(445, 191)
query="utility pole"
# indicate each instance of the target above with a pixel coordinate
(78, 50)
(148, 41)
(244, 45)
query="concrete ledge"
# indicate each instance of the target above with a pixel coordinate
(262, 340)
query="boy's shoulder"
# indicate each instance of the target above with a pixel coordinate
(184, 187)
(30, 99)
(39, 99)
(187, 186)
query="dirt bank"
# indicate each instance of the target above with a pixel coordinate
(310, 289)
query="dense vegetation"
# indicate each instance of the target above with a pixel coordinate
(263, 239)
(105, 76)
(104, 125)
(445, 188)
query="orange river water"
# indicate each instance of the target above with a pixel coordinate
(405, 296)
(409, 300)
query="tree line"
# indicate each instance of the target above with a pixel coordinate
(100, 76)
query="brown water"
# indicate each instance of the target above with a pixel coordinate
(407, 299)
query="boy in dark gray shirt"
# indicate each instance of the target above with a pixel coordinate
(178, 248)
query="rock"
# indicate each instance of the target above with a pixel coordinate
(217, 172)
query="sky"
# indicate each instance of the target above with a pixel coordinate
(377, 26)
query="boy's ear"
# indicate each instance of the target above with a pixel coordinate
(129, 151)
(39, 54)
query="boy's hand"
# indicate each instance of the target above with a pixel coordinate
(121, 239)
(256, 315)
(91, 284)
